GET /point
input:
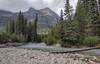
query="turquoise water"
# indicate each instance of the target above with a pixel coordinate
(51, 48)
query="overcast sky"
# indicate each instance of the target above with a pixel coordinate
(16, 5)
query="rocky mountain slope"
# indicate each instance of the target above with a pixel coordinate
(46, 16)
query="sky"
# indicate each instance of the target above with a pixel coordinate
(24, 5)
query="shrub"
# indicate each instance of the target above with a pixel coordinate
(38, 38)
(18, 38)
(44, 38)
(51, 40)
(52, 37)
(92, 41)
(4, 37)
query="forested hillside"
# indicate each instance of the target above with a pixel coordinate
(79, 29)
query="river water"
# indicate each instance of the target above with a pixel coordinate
(43, 47)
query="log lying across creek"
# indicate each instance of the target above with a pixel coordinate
(60, 50)
(77, 50)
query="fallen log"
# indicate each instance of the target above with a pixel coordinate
(73, 51)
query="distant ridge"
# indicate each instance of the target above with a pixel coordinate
(46, 16)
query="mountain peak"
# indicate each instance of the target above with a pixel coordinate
(45, 9)
(46, 16)
(31, 9)
(48, 11)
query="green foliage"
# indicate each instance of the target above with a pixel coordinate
(52, 37)
(18, 38)
(65, 31)
(92, 41)
(20, 24)
(74, 31)
(71, 30)
(35, 38)
(32, 30)
(4, 37)
(87, 18)
(68, 10)
(71, 36)
(39, 38)
(21, 31)
(44, 38)
(2, 29)
(81, 18)
(10, 28)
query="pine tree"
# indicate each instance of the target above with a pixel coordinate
(98, 5)
(29, 31)
(18, 23)
(10, 26)
(56, 34)
(61, 15)
(70, 26)
(87, 17)
(80, 16)
(94, 15)
(21, 24)
(61, 29)
(35, 28)
(68, 11)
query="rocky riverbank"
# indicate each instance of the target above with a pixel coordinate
(26, 56)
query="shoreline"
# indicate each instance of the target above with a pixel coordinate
(94, 51)
(30, 56)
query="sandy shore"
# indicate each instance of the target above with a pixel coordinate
(25, 56)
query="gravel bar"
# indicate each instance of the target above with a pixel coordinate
(29, 56)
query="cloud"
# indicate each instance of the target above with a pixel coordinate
(16, 5)
(38, 4)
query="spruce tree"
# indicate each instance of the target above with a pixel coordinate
(10, 26)
(80, 16)
(35, 28)
(94, 15)
(70, 26)
(99, 6)
(21, 24)
(61, 29)
(68, 10)
(61, 15)
(29, 31)
(88, 19)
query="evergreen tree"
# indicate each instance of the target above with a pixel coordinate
(70, 26)
(68, 11)
(29, 31)
(10, 26)
(61, 16)
(98, 5)
(35, 28)
(80, 16)
(88, 19)
(94, 16)
(56, 33)
(61, 29)
(21, 24)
